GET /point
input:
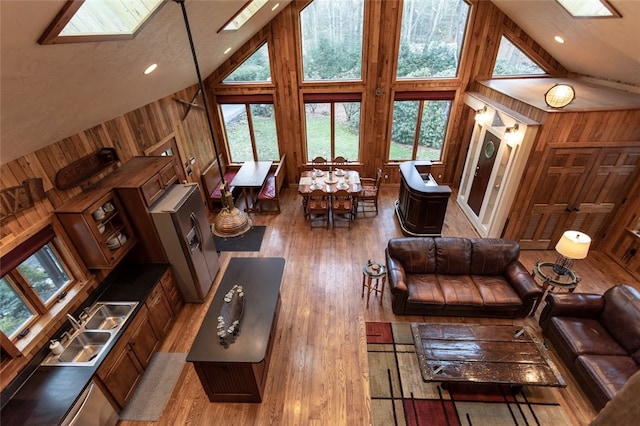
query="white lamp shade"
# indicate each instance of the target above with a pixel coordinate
(574, 245)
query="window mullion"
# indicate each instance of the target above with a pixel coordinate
(333, 131)
(252, 135)
(27, 291)
(416, 136)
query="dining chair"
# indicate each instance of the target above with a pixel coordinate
(317, 208)
(339, 161)
(368, 194)
(319, 160)
(342, 208)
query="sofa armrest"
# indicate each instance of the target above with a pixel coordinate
(396, 275)
(571, 305)
(522, 281)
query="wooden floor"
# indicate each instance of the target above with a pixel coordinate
(318, 373)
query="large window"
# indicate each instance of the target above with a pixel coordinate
(332, 40)
(419, 125)
(513, 61)
(250, 128)
(333, 126)
(254, 69)
(34, 277)
(431, 38)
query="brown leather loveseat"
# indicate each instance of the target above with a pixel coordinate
(597, 336)
(459, 277)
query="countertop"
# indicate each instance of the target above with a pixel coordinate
(419, 183)
(50, 392)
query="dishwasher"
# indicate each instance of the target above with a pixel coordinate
(91, 409)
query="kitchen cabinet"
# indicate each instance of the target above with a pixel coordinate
(160, 312)
(99, 227)
(171, 291)
(123, 368)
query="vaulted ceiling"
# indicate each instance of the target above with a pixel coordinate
(52, 92)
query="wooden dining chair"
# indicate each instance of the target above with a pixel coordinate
(319, 160)
(317, 208)
(339, 161)
(342, 208)
(368, 195)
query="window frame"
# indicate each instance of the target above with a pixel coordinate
(331, 98)
(421, 96)
(247, 101)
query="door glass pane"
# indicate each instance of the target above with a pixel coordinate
(431, 38)
(347, 130)
(264, 130)
(237, 129)
(332, 39)
(403, 129)
(435, 115)
(14, 312)
(44, 273)
(318, 123)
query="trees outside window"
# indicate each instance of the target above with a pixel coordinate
(251, 131)
(431, 38)
(512, 61)
(419, 126)
(254, 69)
(31, 287)
(333, 129)
(332, 40)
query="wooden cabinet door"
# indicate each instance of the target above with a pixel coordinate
(144, 342)
(123, 377)
(160, 312)
(578, 189)
(171, 291)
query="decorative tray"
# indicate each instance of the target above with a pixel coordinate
(230, 315)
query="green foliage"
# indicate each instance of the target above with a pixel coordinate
(13, 311)
(254, 68)
(330, 62)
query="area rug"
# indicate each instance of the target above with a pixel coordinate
(250, 241)
(154, 390)
(399, 396)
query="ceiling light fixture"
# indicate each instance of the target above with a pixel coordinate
(559, 39)
(151, 68)
(275, 6)
(227, 50)
(560, 95)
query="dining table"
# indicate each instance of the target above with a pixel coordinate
(250, 177)
(329, 181)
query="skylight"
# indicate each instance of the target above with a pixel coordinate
(99, 20)
(589, 8)
(244, 15)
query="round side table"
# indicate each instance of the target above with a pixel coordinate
(548, 273)
(374, 276)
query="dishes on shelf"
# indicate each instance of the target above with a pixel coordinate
(101, 228)
(99, 214)
(116, 241)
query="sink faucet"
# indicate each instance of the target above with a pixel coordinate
(76, 325)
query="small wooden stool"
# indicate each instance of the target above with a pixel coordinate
(372, 272)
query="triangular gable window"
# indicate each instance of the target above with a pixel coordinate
(254, 69)
(512, 61)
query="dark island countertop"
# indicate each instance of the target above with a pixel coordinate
(421, 181)
(48, 394)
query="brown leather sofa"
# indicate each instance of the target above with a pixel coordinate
(597, 337)
(459, 277)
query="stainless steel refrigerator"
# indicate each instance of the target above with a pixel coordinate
(185, 232)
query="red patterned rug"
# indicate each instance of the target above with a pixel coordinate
(399, 396)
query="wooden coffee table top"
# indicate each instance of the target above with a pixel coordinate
(483, 353)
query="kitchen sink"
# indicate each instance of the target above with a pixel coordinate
(108, 315)
(93, 335)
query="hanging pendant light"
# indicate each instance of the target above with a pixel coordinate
(230, 222)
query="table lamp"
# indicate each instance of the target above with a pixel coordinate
(572, 245)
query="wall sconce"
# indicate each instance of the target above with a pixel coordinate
(572, 245)
(559, 96)
(512, 134)
(481, 114)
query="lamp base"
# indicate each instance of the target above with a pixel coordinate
(563, 265)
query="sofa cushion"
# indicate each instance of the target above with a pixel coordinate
(417, 255)
(636, 356)
(491, 256)
(603, 375)
(584, 336)
(459, 290)
(424, 288)
(621, 316)
(453, 256)
(496, 291)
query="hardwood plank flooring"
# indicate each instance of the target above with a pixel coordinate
(318, 373)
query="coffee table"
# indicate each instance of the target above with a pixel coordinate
(483, 353)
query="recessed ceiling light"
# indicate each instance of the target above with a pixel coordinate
(227, 50)
(275, 7)
(559, 39)
(151, 68)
